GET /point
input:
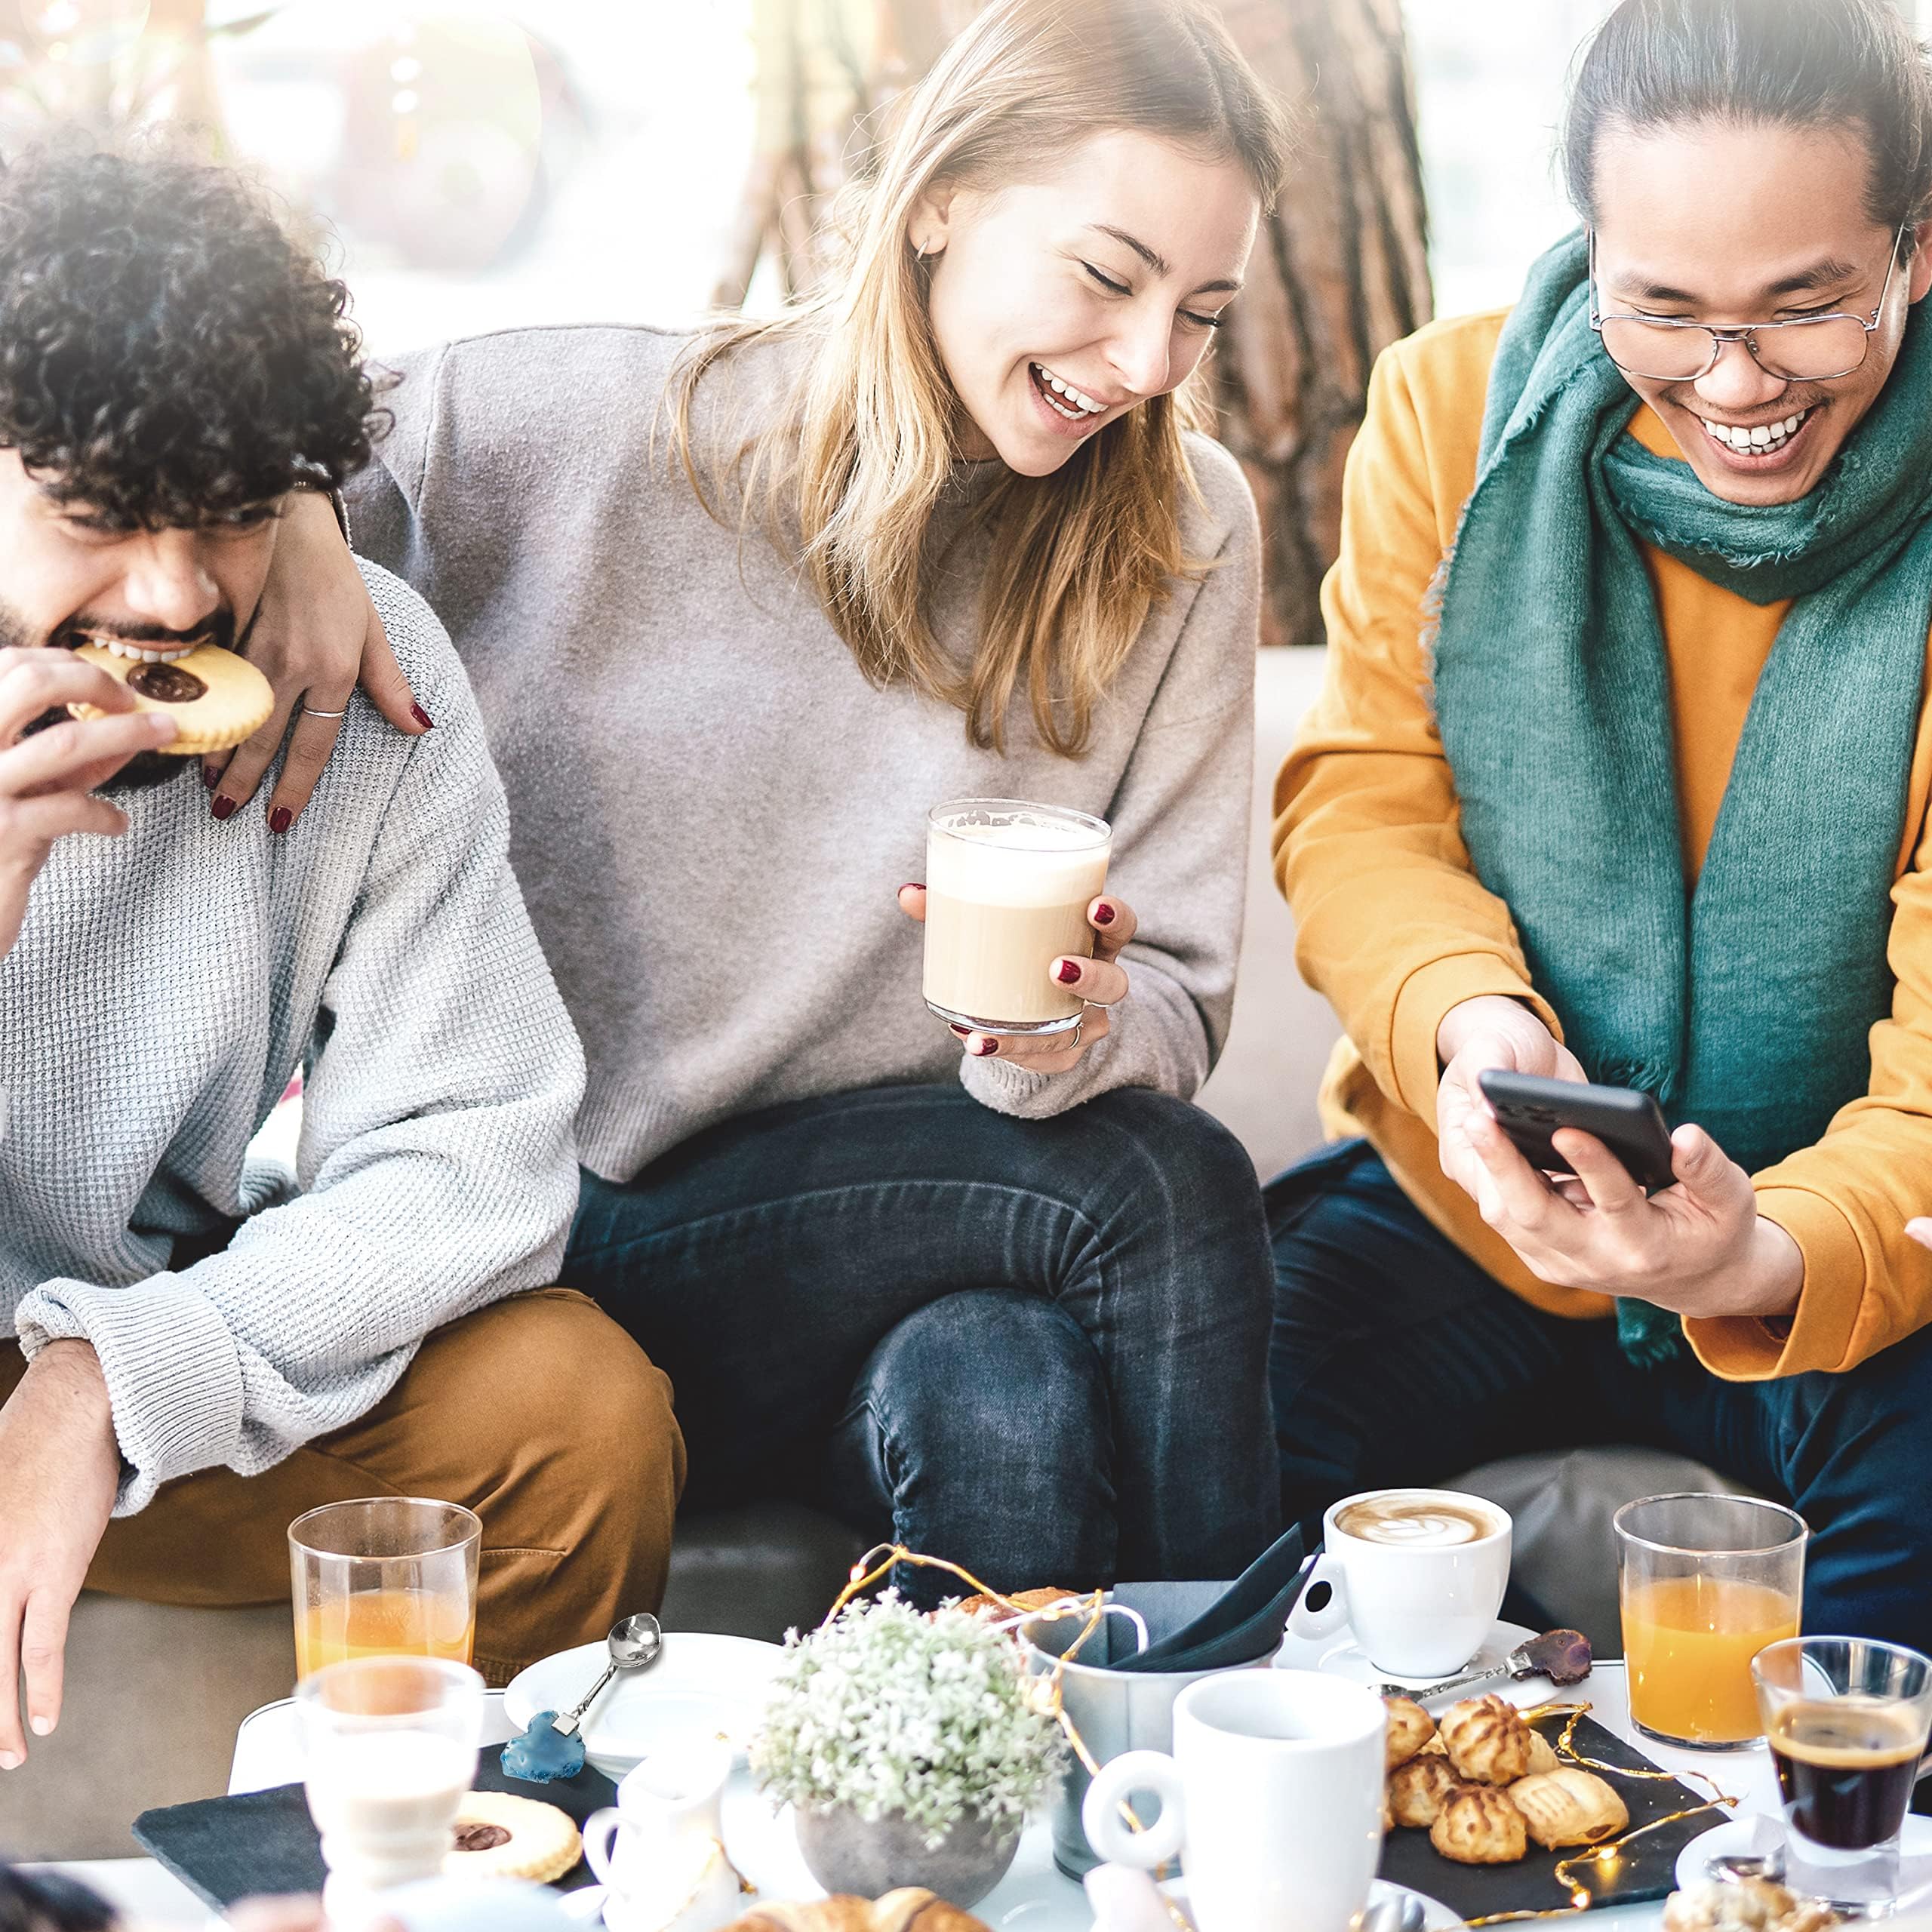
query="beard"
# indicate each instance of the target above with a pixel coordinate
(146, 770)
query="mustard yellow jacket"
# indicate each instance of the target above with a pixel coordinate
(1394, 927)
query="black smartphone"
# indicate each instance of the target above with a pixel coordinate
(1530, 1108)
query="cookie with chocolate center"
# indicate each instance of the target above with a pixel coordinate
(215, 699)
(499, 1835)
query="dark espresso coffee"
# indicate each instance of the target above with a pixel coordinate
(1845, 1768)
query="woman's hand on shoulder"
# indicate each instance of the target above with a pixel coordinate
(1101, 981)
(316, 637)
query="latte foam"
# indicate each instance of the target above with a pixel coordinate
(1415, 1522)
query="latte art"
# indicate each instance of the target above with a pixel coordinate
(1415, 1522)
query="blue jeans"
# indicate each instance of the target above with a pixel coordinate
(1396, 1359)
(1037, 1348)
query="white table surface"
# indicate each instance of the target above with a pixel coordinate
(1034, 1897)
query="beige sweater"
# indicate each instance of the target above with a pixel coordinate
(710, 809)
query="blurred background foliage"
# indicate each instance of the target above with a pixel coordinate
(482, 164)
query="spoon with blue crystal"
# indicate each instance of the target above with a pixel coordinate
(550, 1750)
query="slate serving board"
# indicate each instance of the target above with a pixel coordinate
(1646, 1871)
(224, 1849)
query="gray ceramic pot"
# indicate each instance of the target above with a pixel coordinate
(846, 1852)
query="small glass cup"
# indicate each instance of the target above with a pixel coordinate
(389, 1748)
(1008, 887)
(384, 1575)
(1846, 1720)
(1704, 1582)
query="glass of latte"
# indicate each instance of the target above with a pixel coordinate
(1847, 1719)
(1008, 887)
(390, 1750)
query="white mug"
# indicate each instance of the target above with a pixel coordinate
(1419, 1609)
(1273, 1795)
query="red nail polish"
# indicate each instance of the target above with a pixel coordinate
(223, 808)
(422, 717)
(961, 1031)
(1104, 914)
(1068, 972)
(210, 776)
(914, 885)
(987, 1045)
(281, 819)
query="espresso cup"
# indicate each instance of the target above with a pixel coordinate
(1417, 1574)
(1273, 1796)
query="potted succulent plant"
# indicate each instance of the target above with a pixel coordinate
(911, 1747)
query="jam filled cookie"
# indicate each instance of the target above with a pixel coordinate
(500, 1836)
(215, 699)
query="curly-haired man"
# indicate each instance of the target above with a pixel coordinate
(208, 1345)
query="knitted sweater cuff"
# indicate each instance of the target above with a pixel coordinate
(173, 1376)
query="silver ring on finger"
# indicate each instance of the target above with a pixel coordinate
(1079, 1027)
(309, 711)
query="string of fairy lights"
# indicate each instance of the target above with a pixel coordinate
(1574, 1874)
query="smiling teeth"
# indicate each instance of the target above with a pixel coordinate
(1760, 442)
(1075, 405)
(121, 648)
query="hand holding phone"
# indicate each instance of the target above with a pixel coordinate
(1529, 1109)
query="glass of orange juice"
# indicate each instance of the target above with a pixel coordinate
(384, 1575)
(1705, 1583)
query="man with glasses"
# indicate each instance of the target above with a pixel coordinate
(1621, 775)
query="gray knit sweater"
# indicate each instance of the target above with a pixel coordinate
(165, 985)
(712, 810)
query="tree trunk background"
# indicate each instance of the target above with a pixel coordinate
(1339, 271)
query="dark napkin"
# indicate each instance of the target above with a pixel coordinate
(222, 1849)
(1242, 1622)
(1646, 1871)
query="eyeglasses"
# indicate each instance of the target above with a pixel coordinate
(1807, 349)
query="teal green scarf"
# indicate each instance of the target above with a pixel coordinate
(1743, 1005)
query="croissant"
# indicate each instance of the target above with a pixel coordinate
(1746, 1905)
(1487, 1739)
(1410, 1728)
(1478, 1825)
(1568, 1806)
(1542, 1755)
(905, 1910)
(1417, 1788)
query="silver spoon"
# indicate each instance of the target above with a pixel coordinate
(1392, 1914)
(636, 1644)
(1567, 1661)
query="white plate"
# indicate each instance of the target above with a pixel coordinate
(1340, 1655)
(703, 1686)
(1034, 1896)
(1436, 1917)
(1759, 1834)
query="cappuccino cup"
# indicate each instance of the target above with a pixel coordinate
(1008, 887)
(1272, 1795)
(1417, 1574)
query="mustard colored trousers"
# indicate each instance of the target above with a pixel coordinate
(538, 1413)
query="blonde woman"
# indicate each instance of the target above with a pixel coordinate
(740, 605)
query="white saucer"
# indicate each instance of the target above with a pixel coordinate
(1340, 1655)
(1759, 1833)
(701, 1686)
(1436, 1917)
